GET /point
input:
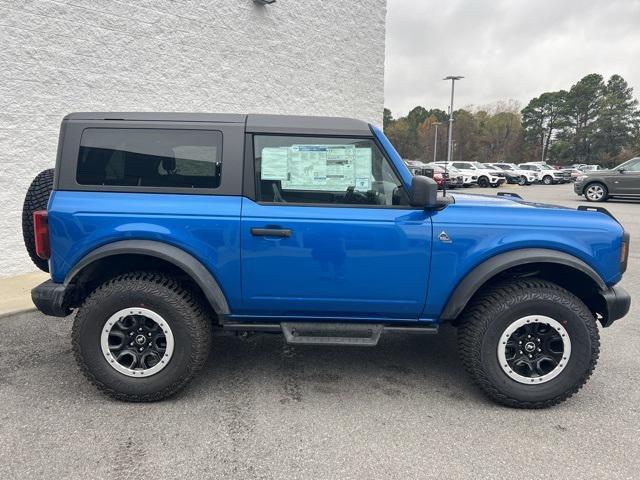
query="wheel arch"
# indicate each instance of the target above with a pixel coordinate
(562, 268)
(146, 254)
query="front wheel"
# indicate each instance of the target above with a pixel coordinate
(528, 343)
(483, 182)
(141, 337)
(522, 180)
(596, 192)
(547, 180)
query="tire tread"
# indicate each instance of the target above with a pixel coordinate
(36, 198)
(477, 316)
(155, 284)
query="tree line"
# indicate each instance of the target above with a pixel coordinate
(595, 121)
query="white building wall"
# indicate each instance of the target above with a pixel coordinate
(59, 56)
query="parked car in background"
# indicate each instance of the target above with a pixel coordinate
(575, 173)
(483, 176)
(416, 167)
(451, 175)
(463, 179)
(521, 177)
(546, 174)
(589, 168)
(510, 177)
(600, 185)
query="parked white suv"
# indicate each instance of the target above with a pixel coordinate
(545, 173)
(484, 177)
(525, 177)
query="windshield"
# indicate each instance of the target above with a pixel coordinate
(506, 167)
(545, 167)
(479, 165)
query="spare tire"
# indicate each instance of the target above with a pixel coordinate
(36, 199)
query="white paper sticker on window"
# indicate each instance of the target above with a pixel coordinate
(318, 167)
(275, 163)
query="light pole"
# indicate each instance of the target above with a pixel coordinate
(453, 79)
(435, 141)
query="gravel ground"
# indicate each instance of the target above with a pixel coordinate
(263, 409)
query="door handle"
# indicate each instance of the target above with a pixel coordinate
(271, 232)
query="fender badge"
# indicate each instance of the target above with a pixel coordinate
(444, 237)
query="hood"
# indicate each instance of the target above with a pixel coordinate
(478, 199)
(516, 211)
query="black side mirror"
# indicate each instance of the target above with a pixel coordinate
(424, 192)
(622, 170)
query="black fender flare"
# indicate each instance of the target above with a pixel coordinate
(164, 251)
(486, 270)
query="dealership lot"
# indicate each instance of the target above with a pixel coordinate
(263, 409)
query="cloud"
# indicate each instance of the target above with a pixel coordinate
(506, 49)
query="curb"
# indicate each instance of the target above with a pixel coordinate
(15, 293)
(16, 311)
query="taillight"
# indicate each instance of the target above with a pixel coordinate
(624, 252)
(41, 233)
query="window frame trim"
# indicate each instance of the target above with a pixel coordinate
(250, 187)
(147, 188)
(230, 156)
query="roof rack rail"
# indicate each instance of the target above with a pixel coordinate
(589, 208)
(508, 194)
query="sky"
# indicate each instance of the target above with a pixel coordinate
(505, 49)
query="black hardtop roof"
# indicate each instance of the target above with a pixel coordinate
(255, 123)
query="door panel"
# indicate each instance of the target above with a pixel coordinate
(627, 183)
(337, 261)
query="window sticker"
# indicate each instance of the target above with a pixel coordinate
(318, 167)
(274, 163)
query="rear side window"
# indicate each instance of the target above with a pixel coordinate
(150, 158)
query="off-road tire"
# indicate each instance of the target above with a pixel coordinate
(179, 307)
(494, 309)
(37, 198)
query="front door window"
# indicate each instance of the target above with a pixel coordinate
(324, 170)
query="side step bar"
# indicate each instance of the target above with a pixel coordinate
(322, 333)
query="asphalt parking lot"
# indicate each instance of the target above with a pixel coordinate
(263, 409)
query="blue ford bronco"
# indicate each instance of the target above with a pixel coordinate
(163, 229)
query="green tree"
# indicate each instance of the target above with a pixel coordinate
(399, 134)
(500, 136)
(580, 115)
(465, 136)
(542, 118)
(427, 139)
(387, 118)
(617, 121)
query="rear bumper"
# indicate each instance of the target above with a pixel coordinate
(49, 297)
(617, 302)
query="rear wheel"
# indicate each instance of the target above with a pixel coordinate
(37, 198)
(528, 343)
(596, 192)
(141, 337)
